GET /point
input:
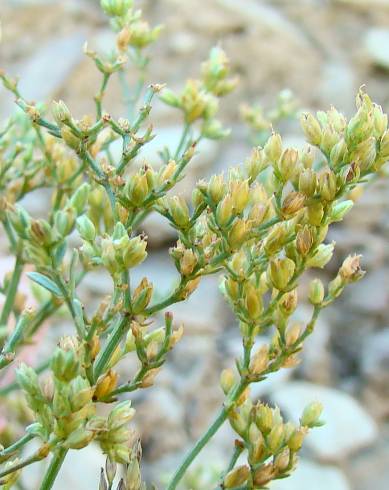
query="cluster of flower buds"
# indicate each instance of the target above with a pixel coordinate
(261, 121)
(271, 443)
(199, 98)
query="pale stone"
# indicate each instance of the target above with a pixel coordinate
(348, 427)
(309, 476)
(376, 44)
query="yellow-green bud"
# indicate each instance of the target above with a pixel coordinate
(338, 153)
(227, 380)
(240, 194)
(311, 128)
(60, 112)
(80, 198)
(79, 438)
(135, 252)
(253, 301)
(316, 292)
(224, 210)
(327, 185)
(116, 8)
(281, 272)
(311, 415)
(322, 256)
(287, 165)
(137, 189)
(64, 364)
(296, 440)
(142, 296)
(308, 182)
(86, 228)
(273, 148)
(276, 438)
(340, 210)
(216, 188)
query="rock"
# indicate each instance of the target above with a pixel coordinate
(376, 42)
(45, 72)
(370, 469)
(375, 371)
(315, 357)
(370, 296)
(348, 426)
(158, 230)
(309, 476)
(271, 17)
(338, 84)
(161, 423)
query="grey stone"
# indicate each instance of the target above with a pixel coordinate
(376, 42)
(371, 295)
(45, 72)
(348, 426)
(309, 476)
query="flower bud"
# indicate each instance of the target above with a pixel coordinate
(316, 292)
(60, 112)
(288, 164)
(276, 438)
(137, 189)
(70, 138)
(86, 228)
(216, 188)
(121, 415)
(240, 194)
(142, 296)
(308, 182)
(264, 418)
(227, 380)
(253, 301)
(288, 303)
(311, 415)
(79, 438)
(236, 477)
(281, 272)
(116, 8)
(273, 148)
(238, 233)
(304, 240)
(80, 198)
(179, 211)
(296, 440)
(327, 185)
(105, 384)
(259, 360)
(224, 210)
(293, 203)
(64, 364)
(311, 128)
(135, 252)
(322, 256)
(350, 270)
(338, 153)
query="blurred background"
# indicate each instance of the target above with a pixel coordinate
(321, 50)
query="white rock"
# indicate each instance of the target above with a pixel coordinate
(348, 426)
(46, 71)
(311, 476)
(376, 44)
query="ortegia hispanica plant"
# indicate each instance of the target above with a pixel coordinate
(260, 228)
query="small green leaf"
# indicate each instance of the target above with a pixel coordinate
(45, 282)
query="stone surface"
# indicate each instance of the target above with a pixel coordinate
(376, 283)
(376, 42)
(348, 427)
(309, 476)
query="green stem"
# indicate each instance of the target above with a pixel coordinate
(113, 341)
(207, 436)
(11, 290)
(53, 469)
(182, 140)
(16, 445)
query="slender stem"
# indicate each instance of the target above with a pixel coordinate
(211, 431)
(11, 290)
(16, 445)
(182, 140)
(113, 341)
(53, 469)
(217, 423)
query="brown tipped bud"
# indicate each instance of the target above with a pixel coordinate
(236, 477)
(260, 360)
(288, 303)
(293, 203)
(350, 270)
(281, 272)
(304, 240)
(308, 182)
